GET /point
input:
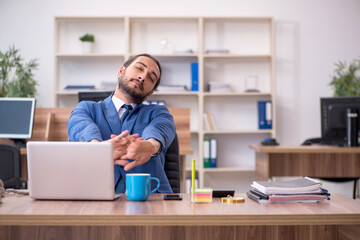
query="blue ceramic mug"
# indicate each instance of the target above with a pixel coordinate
(138, 186)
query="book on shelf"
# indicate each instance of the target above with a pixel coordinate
(265, 114)
(217, 51)
(155, 102)
(209, 121)
(170, 88)
(219, 87)
(75, 87)
(185, 51)
(195, 76)
(298, 190)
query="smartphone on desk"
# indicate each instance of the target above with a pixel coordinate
(172, 197)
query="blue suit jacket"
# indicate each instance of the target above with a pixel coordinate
(99, 120)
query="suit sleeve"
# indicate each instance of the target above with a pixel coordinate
(161, 127)
(81, 126)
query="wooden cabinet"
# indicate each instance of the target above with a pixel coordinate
(232, 50)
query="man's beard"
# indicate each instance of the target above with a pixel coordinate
(131, 93)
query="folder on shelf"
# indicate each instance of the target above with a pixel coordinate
(265, 114)
(195, 76)
(206, 153)
(213, 153)
(79, 87)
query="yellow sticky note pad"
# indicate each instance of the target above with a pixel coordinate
(202, 195)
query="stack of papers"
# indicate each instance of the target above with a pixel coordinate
(299, 190)
(219, 87)
(170, 88)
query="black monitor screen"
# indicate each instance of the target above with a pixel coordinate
(16, 117)
(333, 118)
(93, 95)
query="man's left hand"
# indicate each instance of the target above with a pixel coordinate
(140, 151)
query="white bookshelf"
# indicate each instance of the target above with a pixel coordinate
(177, 42)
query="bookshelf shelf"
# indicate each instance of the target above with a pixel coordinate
(210, 94)
(241, 48)
(235, 56)
(94, 55)
(235, 131)
(176, 93)
(227, 169)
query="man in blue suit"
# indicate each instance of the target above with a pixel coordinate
(141, 139)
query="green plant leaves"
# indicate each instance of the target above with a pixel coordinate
(346, 79)
(87, 38)
(16, 77)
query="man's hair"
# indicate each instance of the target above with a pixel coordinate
(132, 59)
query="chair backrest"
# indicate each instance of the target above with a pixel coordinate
(93, 95)
(50, 124)
(10, 165)
(172, 165)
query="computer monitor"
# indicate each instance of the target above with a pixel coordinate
(93, 95)
(17, 117)
(334, 119)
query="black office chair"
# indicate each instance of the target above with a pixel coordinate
(172, 165)
(93, 95)
(344, 180)
(10, 166)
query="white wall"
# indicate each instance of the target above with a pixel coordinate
(310, 37)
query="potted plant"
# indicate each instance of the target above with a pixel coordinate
(346, 80)
(87, 42)
(16, 77)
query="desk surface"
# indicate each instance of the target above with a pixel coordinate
(303, 149)
(22, 210)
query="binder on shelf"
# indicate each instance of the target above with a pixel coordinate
(265, 114)
(213, 153)
(195, 76)
(79, 87)
(206, 153)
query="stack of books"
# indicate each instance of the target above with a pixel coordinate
(299, 190)
(220, 87)
(171, 88)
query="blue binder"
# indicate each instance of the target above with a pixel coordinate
(195, 76)
(265, 114)
(213, 153)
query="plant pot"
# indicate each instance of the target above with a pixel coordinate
(87, 47)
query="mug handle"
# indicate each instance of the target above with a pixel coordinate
(158, 183)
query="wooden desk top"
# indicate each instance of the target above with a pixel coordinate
(303, 149)
(22, 210)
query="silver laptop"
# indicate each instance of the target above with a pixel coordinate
(71, 170)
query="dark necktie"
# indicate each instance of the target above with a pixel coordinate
(128, 108)
(120, 186)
